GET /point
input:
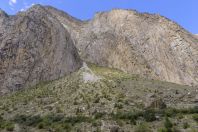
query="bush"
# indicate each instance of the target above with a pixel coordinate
(27, 120)
(54, 117)
(168, 124)
(170, 112)
(143, 128)
(149, 115)
(162, 130)
(77, 119)
(9, 126)
(55, 122)
(118, 105)
(195, 117)
(186, 125)
(132, 116)
(98, 115)
(41, 125)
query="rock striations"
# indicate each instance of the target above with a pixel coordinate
(137, 43)
(34, 47)
(38, 45)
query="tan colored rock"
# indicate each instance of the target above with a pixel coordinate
(38, 45)
(137, 43)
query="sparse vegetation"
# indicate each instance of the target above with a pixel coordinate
(116, 98)
(143, 127)
(54, 121)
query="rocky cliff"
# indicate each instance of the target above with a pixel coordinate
(39, 45)
(34, 47)
(137, 43)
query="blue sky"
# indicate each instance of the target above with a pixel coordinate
(184, 12)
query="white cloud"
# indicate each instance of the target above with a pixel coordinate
(26, 6)
(12, 2)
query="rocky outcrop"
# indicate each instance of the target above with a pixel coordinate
(34, 47)
(137, 43)
(38, 45)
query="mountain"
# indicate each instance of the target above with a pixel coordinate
(38, 45)
(136, 43)
(34, 47)
(121, 71)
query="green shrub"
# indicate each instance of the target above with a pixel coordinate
(27, 120)
(67, 127)
(195, 117)
(77, 119)
(118, 105)
(186, 125)
(98, 115)
(168, 124)
(170, 112)
(143, 128)
(193, 110)
(149, 115)
(132, 116)
(20, 119)
(9, 126)
(97, 100)
(41, 125)
(54, 117)
(162, 130)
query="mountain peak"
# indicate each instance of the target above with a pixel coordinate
(3, 13)
(34, 47)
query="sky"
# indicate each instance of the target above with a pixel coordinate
(184, 12)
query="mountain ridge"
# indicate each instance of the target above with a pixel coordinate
(137, 43)
(106, 22)
(121, 71)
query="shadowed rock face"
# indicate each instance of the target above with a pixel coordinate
(145, 44)
(34, 47)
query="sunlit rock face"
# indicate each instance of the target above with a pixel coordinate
(34, 47)
(43, 44)
(137, 43)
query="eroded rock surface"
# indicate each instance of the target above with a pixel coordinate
(137, 43)
(34, 47)
(38, 45)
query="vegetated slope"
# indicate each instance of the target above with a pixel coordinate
(34, 47)
(99, 99)
(137, 43)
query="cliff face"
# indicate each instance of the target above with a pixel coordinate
(38, 45)
(34, 47)
(145, 44)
